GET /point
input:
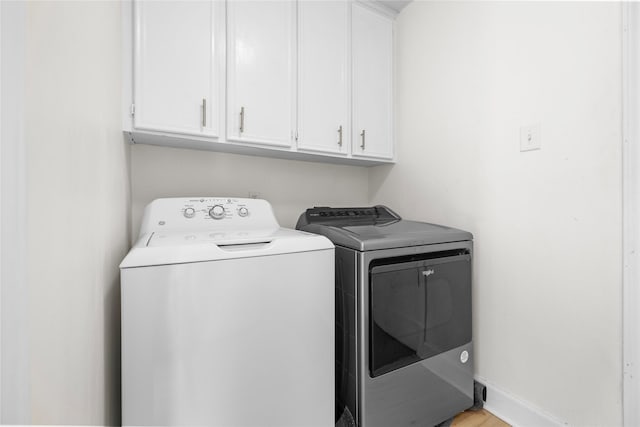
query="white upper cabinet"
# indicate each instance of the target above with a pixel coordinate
(260, 71)
(323, 92)
(372, 80)
(302, 79)
(175, 71)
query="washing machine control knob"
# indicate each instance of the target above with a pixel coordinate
(189, 212)
(243, 212)
(217, 212)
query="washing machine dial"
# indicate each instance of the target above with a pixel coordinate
(243, 212)
(189, 212)
(217, 212)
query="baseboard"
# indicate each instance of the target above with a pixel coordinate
(514, 410)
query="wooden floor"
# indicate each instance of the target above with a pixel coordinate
(480, 418)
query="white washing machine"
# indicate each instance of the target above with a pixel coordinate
(227, 319)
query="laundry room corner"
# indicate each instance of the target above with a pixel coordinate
(492, 238)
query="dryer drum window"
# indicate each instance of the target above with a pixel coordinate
(418, 308)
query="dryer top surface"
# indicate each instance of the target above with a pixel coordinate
(375, 228)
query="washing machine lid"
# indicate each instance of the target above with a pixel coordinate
(165, 248)
(375, 228)
(217, 237)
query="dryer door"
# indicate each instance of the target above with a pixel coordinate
(418, 309)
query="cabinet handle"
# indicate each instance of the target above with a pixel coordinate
(340, 136)
(204, 112)
(362, 135)
(241, 119)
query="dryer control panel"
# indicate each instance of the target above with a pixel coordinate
(208, 213)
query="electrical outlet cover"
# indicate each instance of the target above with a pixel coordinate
(530, 137)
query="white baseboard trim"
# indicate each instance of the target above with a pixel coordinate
(514, 410)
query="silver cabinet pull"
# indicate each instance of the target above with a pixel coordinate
(241, 119)
(362, 135)
(204, 112)
(340, 136)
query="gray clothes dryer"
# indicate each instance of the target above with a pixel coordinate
(404, 351)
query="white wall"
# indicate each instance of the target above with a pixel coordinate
(631, 198)
(14, 396)
(547, 224)
(290, 186)
(78, 209)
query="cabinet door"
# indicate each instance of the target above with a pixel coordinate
(260, 79)
(372, 43)
(323, 102)
(174, 67)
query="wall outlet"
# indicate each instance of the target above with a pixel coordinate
(254, 195)
(530, 137)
